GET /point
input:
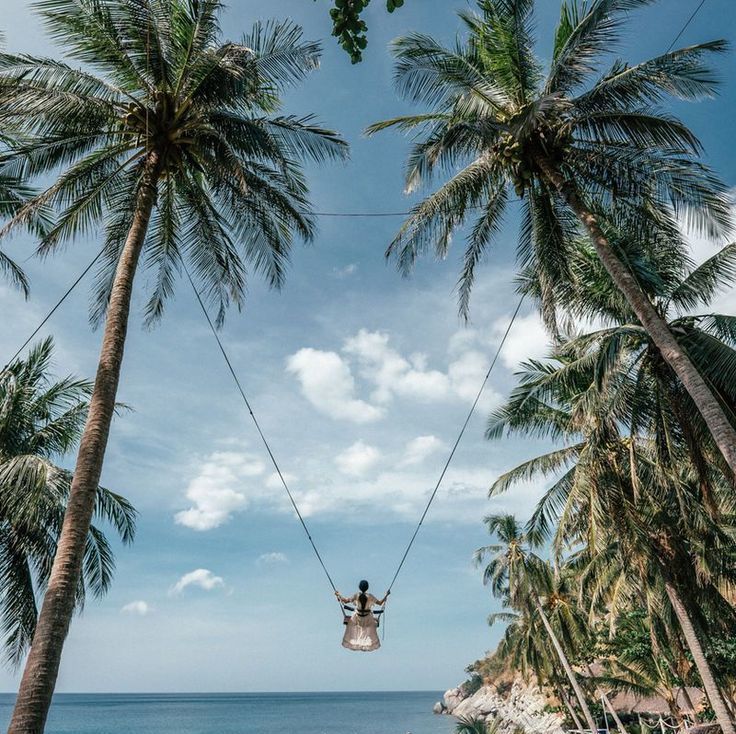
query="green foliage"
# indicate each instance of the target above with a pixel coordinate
(472, 685)
(494, 126)
(41, 420)
(640, 496)
(14, 194)
(350, 29)
(152, 89)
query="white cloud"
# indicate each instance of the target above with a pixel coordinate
(391, 373)
(200, 577)
(420, 448)
(139, 607)
(346, 271)
(216, 490)
(527, 339)
(466, 375)
(358, 459)
(272, 559)
(327, 382)
(404, 494)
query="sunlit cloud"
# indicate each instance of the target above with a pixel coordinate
(201, 578)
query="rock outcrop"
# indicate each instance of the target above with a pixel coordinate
(522, 709)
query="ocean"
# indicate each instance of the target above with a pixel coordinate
(242, 713)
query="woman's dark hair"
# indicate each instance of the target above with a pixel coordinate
(363, 599)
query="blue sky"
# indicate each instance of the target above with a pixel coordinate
(361, 381)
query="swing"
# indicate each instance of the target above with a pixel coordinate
(347, 617)
(347, 607)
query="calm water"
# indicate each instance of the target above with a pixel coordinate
(245, 713)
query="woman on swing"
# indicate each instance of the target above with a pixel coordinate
(361, 628)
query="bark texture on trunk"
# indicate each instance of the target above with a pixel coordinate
(42, 666)
(671, 350)
(689, 703)
(619, 724)
(568, 668)
(712, 690)
(568, 705)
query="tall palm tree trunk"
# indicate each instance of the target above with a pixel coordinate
(566, 665)
(607, 702)
(42, 666)
(723, 432)
(689, 703)
(720, 707)
(568, 705)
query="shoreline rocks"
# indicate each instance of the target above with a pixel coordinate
(523, 708)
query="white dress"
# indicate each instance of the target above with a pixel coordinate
(361, 630)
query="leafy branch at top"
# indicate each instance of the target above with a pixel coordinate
(348, 27)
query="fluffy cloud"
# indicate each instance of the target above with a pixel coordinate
(200, 577)
(272, 559)
(402, 494)
(327, 382)
(420, 448)
(139, 607)
(393, 374)
(526, 340)
(213, 490)
(358, 459)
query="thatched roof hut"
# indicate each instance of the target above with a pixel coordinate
(628, 703)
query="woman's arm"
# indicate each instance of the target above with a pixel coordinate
(342, 599)
(381, 602)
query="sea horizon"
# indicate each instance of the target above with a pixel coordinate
(250, 712)
(239, 693)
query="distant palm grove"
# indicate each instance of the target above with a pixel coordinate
(167, 142)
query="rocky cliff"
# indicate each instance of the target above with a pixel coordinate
(523, 707)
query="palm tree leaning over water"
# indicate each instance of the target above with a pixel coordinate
(41, 420)
(170, 141)
(516, 574)
(575, 149)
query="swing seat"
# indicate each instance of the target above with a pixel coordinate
(347, 608)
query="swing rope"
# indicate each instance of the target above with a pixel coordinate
(260, 432)
(457, 443)
(275, 463)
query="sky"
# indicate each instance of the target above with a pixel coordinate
(361, 381)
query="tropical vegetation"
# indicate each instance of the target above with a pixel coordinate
(350, 28)
(170, 141)
(41, 421)
(170, 145)
(641, 508)
(580, 145)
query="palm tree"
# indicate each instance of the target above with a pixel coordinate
(41, 420)
(637, 523)
(626, 356)
(171, 142)
(14, 195)
(526, 648)
(644, 393)
(640, 662)
(516, 574)
(574, 149)
(572, 626)
(478, 725)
